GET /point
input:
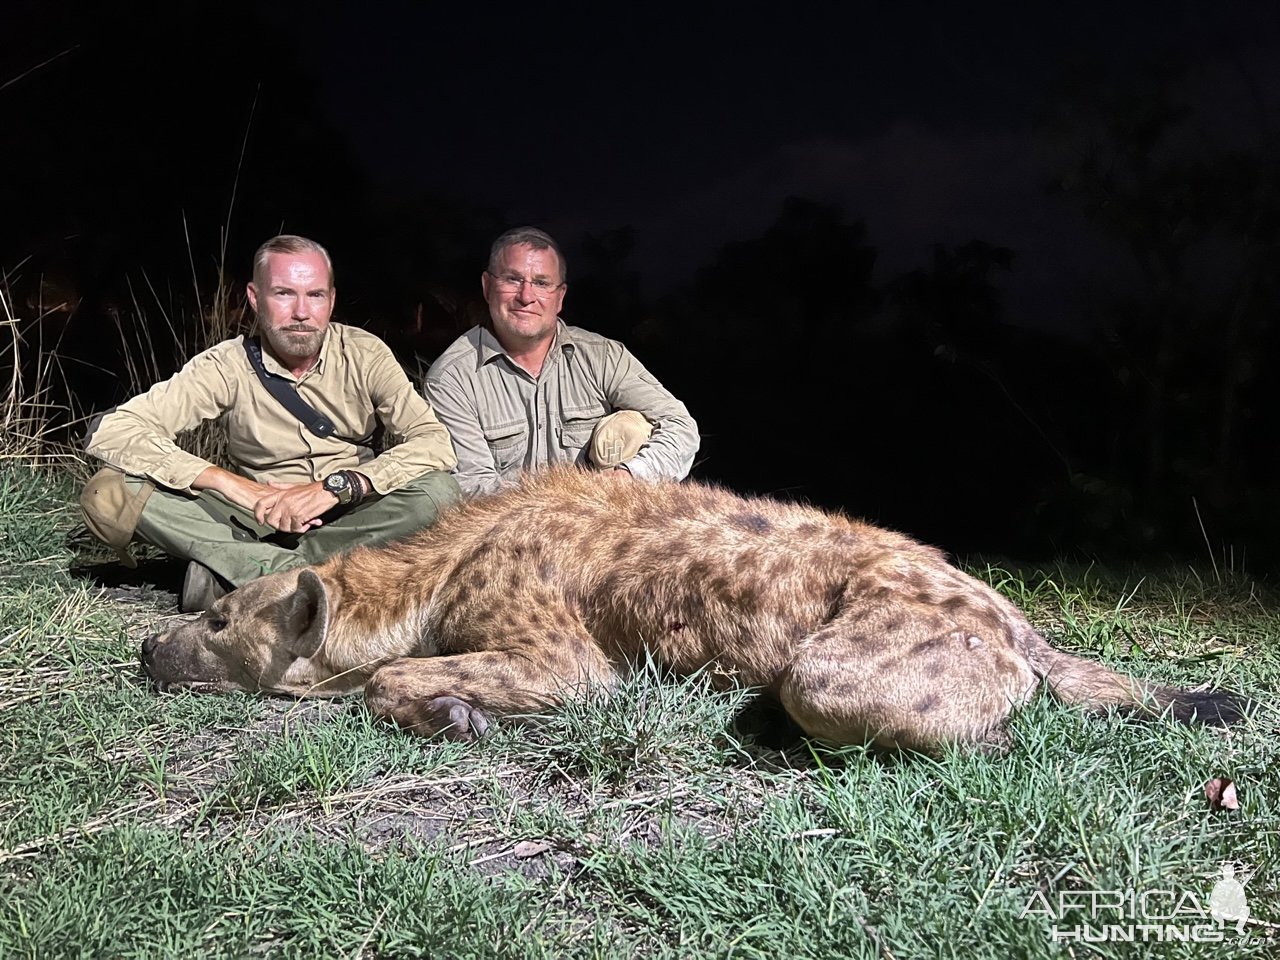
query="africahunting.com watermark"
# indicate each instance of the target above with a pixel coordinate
(1149, 915)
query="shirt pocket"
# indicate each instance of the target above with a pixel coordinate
(508, 444)
(581, 407)
(574, 437)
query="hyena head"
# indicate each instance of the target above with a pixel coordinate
(256, 638)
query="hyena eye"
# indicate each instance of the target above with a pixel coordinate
(217, 624)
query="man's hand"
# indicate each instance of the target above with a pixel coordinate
(288, 507)
(294, 507)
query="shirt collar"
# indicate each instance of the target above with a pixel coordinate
(330, 335)
(488, 347)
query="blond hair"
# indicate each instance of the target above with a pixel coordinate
(289, 243)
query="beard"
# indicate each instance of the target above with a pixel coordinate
(294, 343)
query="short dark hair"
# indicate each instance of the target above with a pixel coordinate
(289, 243)
(533, 237)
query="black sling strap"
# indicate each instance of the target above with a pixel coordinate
(282, 389)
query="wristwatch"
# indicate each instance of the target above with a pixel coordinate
(342, 486)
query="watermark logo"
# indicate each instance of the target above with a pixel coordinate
(1227, 903)
(1146, 916)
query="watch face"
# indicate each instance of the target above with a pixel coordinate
(339, 486)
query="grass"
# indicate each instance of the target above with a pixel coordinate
(654, 824)
(667, 821)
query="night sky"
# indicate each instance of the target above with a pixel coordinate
(692, 123)
(406, 135)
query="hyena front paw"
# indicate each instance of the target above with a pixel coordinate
(391, 698)
(452, 718)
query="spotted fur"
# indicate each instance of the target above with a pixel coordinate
(513, 603)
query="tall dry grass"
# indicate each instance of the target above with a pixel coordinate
(30, 408)
(43, 412)
(223, 315)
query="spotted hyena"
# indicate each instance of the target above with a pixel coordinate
(516, 602)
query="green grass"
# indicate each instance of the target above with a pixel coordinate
(653, 824)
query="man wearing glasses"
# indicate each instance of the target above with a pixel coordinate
(526, 390)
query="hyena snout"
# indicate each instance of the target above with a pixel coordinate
(161, 664)
(149, 652)
(172, 660)
(151, 648)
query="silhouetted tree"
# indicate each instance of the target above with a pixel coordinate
(763, 342)
(1186, 341)
(808, 276)
(955, 306)
(605, 290)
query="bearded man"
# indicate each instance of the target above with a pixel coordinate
(306, 480)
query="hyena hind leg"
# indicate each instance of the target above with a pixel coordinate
(915, 689)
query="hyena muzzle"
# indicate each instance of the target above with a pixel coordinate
(510, 604)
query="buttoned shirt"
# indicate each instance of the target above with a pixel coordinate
(356, 382)
(504, 420)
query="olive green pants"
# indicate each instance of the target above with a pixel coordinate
(228, 540)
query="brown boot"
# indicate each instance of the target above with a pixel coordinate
(200, 587)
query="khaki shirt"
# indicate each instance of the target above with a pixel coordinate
(504, 420)
(356, 382)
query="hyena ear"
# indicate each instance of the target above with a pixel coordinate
(305, 616)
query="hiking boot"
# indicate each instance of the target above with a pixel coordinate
(200, 587)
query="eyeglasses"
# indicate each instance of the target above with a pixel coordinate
(511, 282)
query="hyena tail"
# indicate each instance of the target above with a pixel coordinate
(1078, 681)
